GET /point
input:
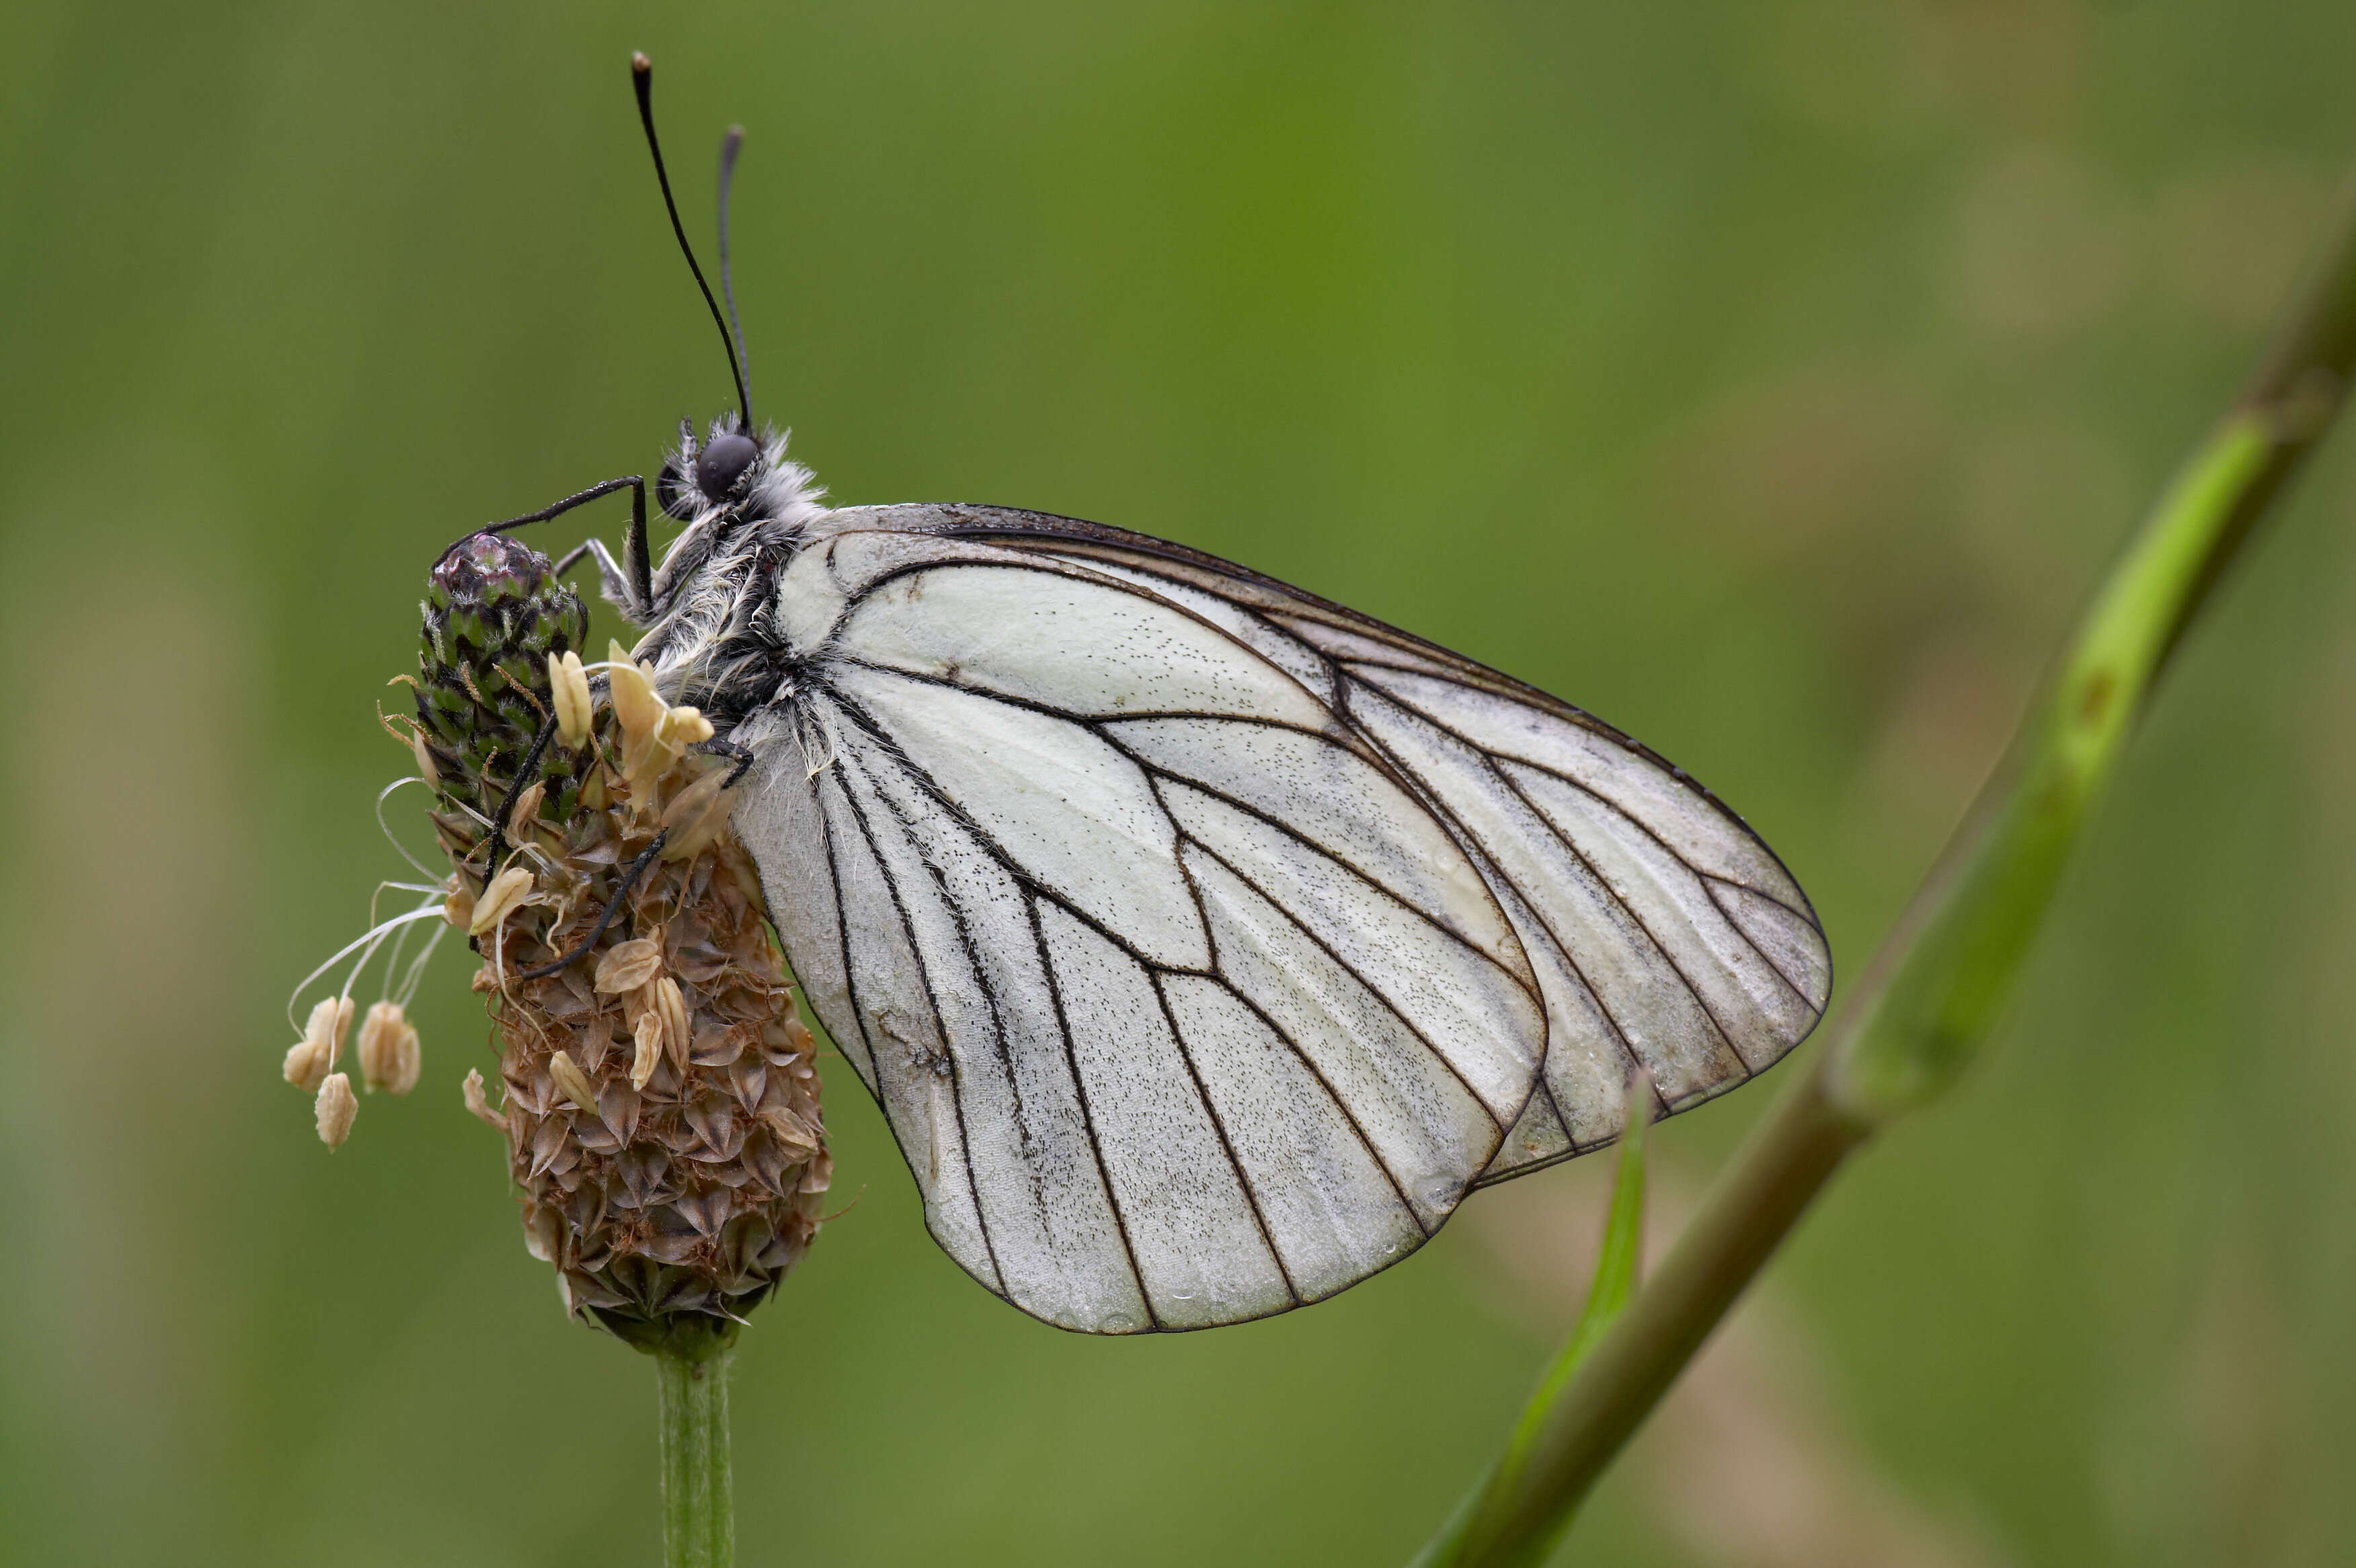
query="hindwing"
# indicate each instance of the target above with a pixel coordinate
(1184, 1004)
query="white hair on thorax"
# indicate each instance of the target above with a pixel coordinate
(710, 567)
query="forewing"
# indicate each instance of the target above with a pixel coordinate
(1182, 1008)
(1659, 929)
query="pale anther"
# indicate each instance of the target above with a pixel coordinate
(671, 1006)
(571, 1082)
(306, 1067)
(388, 1049)
(311, 1059)
(683, 726)
(335, 1108)
(633, 694)
(649, 1041)
(506, 891)
(570, 683)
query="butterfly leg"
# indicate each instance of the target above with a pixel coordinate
(631, 585)
(613, 906)
(619, 591)
(741, 756)
(525, 773)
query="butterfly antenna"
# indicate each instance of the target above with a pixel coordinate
(729, 147)
(642, 77)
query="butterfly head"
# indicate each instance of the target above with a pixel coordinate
(723, 469)
(735, 476)
(718, 474)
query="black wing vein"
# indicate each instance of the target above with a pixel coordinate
(1227, 1143)
(1346, 967)
(940, 1026)
(1088, 1118)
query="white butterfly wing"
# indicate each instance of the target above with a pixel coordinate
(1183, 1008)
(1660, 930)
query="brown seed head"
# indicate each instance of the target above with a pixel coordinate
(660, 1103)
(661, 1113)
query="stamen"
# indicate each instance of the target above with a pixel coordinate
(373, 935)
(649, 1036)
(407, 990)
(571, 1082)
(499, 899)
(570, 682)
(336, 1108)
(399, 848)
(388, 1052)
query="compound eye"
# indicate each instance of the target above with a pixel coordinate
(723, 464)
(671, 493)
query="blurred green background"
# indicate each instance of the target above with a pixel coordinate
(1770, 379)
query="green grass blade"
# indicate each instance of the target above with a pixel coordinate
(1958, 961)
(1482, 1515)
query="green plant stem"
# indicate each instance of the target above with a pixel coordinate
(1583, 1412)
(1616, 1263)
(698, 1481)
(1927, 1003)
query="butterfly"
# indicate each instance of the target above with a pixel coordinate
(1203, 941)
